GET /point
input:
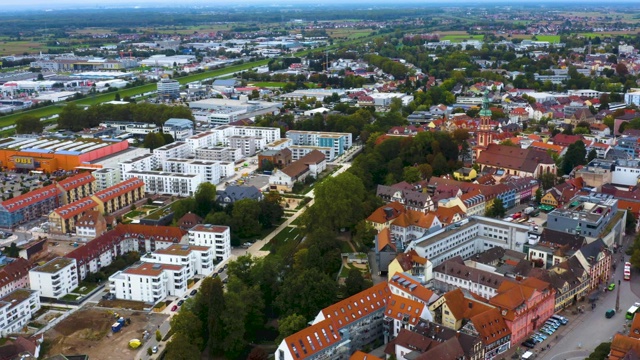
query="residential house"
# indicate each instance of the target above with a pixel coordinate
(16, 310)
(408, 287)
(492, 330)
(465, 174)
(596, 258)
(54, 279)
(91, 224)
(411, 264)
(14, 275)
(599, 129)
(453, 309)
(311, 164)
(552, 247)
(561, 194)
(383, 216)
(524, 305)
(455, 274)
(411, 224)
(413, 197)
(403, 313)
(188, 221)
(385, 251)
(149, 282)
(624, 347)
(233, 193)
(449, 215)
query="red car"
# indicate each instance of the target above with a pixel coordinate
(516, 215)
(174, 308)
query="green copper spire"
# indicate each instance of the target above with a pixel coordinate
(485, 105)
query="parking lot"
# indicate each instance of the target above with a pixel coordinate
(14, 184)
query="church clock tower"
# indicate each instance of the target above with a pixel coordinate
(484, 135)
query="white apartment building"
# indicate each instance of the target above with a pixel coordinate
(137, 129)
(248, 145)
(197, 260)
(16, 309)
(55, 279)
(298, 151)
(469, 237)
(175, 150)
(270, 134)
(149, 282)
(206, 139)
(219, 154)
(280, 144)
(107, 177)
(338, 141)
(216, 236)
(210, 171)
(160, 182)
(145, 162)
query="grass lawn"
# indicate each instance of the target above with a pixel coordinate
(268, 84)
(85, 288)
(156, 215)
(287, 235)
(549, 38)
(132, 214)
(348, 33)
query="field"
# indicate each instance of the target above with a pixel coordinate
(549, 38)
(458, 36)
(20, 47)
(348, 33)
(89, 332)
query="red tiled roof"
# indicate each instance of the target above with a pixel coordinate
(76, 181)
(491, 326)
(120, 189)
(313, 339)
(359, 355)
(30, 198)
(399, 307)
(76, 207)
(108, 240)
(412, 287)
(13, 271)
(384, 239)
(359, 305)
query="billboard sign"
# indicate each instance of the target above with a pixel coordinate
(23, 162)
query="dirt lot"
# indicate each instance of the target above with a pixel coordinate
(88, 331)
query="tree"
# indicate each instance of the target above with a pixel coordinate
(592, 155)
(334, 203)
(13, 250)
(233, 325)
(497, 209)
(153, 140)
(168, 138)
(245, 218)
(181, 348)
(149, 351)
(576, 155)
(630, 225)
(205, 197)
(548, 180)
(158, 336)
(28, 124)
(290, 325)
(306, 292)
(187, 323)
(538, 195)
(258, 353)
(354, 283)
(411, 174)
(184, 206)
(117, 97)
(426, 171)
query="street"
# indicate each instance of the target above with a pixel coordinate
(586, 331)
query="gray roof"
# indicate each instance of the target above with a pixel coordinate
(591, 250)
(235, 193)
(224, 82)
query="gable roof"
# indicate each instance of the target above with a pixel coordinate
(491, 326)
(447, 215)
(359, 355)
(455, 267)
(411, 286)
(410, 340)
(121, 188)
(356, 306)
(621, 345)
(77, 207)
(511, 157)
(403, 309)
(386, 213)
(383, 239)
(301, 165)
(450, 349)
(313, 339)
(236, 193)
(16, 269)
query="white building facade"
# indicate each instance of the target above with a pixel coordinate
(149, 282)
(16, 309)
(216, 236)
(55, 279)
(160, 182)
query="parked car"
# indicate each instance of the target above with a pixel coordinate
(563, 320)
(516, 216)
(611, 287)
(609, 314)
(193, 292)
(154, 349)
(180, 302)
(541, 335)
(528, 344)
(174, 308)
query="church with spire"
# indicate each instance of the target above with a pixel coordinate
(485, 132)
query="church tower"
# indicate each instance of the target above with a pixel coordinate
(484, 135)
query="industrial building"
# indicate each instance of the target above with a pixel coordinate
(52, 154)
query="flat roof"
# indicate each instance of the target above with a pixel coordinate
(210, 228)
(16, 297)
(181, 249)
(54, 265)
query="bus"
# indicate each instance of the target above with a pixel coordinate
(632, 311)
(627, 271)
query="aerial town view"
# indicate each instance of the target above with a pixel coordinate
(331, 181)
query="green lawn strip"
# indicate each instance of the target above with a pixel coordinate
(287, 234)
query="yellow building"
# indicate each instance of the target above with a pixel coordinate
(465, 174)
(452, 308)
(413, 264)
(63, 219)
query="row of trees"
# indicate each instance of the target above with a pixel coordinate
(75, 118)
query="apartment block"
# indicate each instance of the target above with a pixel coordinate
(587, 215)
(107, 177)
(248, 145)
(337, 141)
(146, 162)
(209, 171)
(175, 150)
(16, 309)
(160, 182)
(149, 282)
(197, 260)
(180, 129)
(215, 236)
(56, 278)
(227, 154)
